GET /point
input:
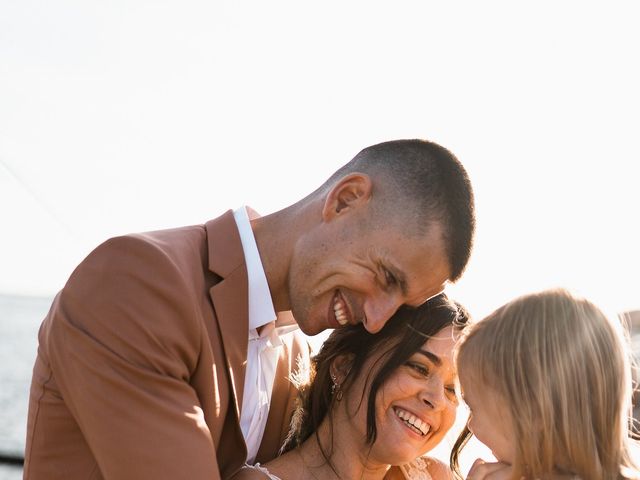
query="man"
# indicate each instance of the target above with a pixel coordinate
(166, 355)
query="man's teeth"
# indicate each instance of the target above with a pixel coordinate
(413, 422)
(339, 310)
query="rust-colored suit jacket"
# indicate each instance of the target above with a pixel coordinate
(141, 361)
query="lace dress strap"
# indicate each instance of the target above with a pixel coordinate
(416, 469)
(259, 467)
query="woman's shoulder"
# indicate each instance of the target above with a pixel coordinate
(426, 468)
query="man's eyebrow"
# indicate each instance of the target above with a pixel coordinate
(431, 356)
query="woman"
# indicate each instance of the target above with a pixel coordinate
(375, 401)
(548, 383)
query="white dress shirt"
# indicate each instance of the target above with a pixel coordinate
(262, 351)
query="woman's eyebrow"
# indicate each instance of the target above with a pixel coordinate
(432, 357)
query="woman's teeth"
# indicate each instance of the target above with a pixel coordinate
(339, 310)
(413, 422)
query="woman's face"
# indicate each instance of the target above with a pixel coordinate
(489, 418)
(415, 407)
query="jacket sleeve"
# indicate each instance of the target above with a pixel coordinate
(123, 344)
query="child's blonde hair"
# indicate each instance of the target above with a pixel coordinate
(563, 369)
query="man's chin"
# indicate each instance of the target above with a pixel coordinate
(310, 330)
(306, 325)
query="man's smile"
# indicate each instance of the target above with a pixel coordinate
(340, 309)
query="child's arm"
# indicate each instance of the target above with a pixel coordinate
(481, 470)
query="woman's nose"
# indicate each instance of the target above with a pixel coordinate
(433, 394)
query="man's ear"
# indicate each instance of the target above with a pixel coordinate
(348, 193)
(340, 367)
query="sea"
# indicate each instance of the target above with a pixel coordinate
(20, 318)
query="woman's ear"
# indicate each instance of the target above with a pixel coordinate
(347, 194)
(340, 367)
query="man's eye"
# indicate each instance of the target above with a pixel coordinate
(389, 277)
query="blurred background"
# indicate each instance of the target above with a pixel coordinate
(137, 115)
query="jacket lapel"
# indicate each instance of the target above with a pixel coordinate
(230, 297)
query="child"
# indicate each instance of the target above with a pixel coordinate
(547, 379)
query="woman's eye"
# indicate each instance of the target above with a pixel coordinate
(421, 369)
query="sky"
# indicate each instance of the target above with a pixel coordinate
(135, 115)
(120, 116)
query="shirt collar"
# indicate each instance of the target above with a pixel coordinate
(261, 311)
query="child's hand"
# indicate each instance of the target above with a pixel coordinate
(481, 470)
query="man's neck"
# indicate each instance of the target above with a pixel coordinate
(276, 236)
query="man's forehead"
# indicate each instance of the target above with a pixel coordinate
(424, 271)
(425, 282)
(423, 256)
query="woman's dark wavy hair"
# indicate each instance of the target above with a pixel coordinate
(400, 338)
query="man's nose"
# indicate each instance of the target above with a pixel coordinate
(378, 310)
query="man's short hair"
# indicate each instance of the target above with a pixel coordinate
(421, 182)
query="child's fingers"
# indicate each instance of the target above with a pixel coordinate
(481, 470)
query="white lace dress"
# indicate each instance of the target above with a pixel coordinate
(416, 470)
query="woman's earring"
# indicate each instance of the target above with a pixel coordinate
(336, 391)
